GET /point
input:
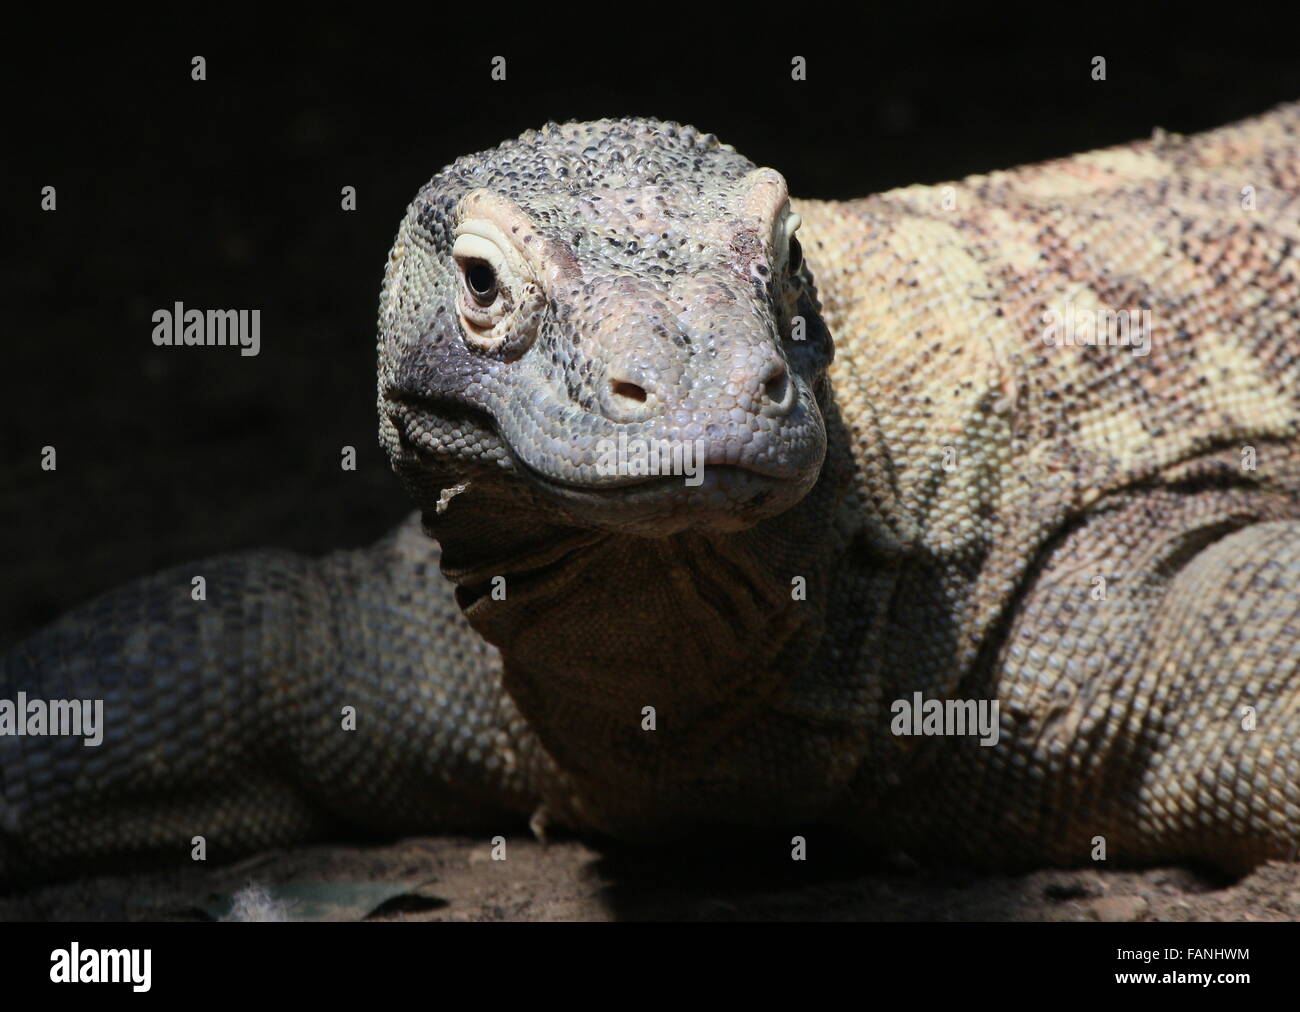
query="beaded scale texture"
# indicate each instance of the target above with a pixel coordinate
(906, 488)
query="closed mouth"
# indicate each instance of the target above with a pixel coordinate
(708, 476)
(716, 486)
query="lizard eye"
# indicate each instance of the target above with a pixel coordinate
(789, 254)
(488, 282)
(481, 280)
(498, 301)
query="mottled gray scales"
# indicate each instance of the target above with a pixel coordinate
(949, 488)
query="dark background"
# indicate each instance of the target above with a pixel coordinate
(225, 194)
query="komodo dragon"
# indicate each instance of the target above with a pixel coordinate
(970, 496)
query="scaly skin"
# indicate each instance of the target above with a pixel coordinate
(951, 491)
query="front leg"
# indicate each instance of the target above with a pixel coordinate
(1121, 682)
(299, 697)
(1223, 777)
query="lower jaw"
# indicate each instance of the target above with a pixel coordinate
(726, 501)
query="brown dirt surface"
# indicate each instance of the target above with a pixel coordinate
(457, 879)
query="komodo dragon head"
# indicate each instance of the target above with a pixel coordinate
(587, 287)
(626, 283)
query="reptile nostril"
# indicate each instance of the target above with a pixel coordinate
(775, 387)
(622, 388)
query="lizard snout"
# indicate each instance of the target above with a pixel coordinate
(756, 382)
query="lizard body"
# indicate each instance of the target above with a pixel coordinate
(947, 489)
